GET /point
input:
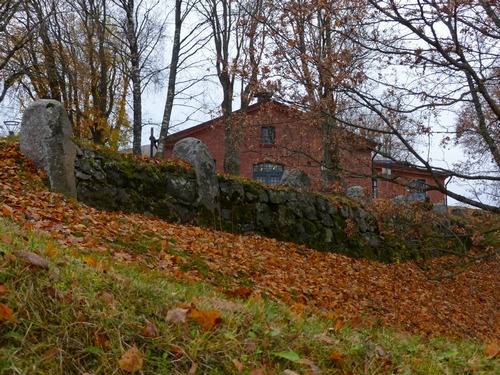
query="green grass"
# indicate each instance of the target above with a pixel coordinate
(77, 318)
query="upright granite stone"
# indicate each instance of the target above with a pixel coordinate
(195, 152)
(46, 138)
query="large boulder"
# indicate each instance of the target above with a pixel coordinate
(357, 193)
(296, 178)
(46, 138)
(195, 152)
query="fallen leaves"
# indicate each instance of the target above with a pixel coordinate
(32, 259)
(132, 360)
(238, 365)
(149, 330)
(177, 316)
(492, 350)
(336, 356)
(3, 290)
(6, 313)
(65, 296)
(342, 288)
(206, 319)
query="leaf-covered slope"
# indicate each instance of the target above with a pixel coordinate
(403, 295)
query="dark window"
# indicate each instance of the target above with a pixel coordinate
(416, 190)
(268, 173)
(268, 135)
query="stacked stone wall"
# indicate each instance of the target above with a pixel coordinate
(171, 192)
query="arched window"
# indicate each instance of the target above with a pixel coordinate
(268, 173)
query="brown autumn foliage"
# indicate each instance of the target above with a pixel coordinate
(342, 289)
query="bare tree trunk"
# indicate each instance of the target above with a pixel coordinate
(172, 79)
(135, 76)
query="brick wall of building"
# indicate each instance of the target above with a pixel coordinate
(297, 145)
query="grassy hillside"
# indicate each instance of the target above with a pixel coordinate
(89, 292)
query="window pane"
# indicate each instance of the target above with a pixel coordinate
(268, 173)
(268, 135)
(416, 190)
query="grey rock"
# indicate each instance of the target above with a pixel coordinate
(356, 193)
(263, 215)
(328, 236)
(322, 204)
(296, 178)
(440, 209)
(195, 152)
(294, 206)
(346, 211)
(277, 196)
(255, 192)
(181, 188)
(362, 226)
(459, 211)
(82, 176)
(326, 220)
(46, 138)
(307, 206)
(231, 192)
(286, 218)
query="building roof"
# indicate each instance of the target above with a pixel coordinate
(401, 166)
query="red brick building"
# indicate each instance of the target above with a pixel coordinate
(276, 137)
(397, 180)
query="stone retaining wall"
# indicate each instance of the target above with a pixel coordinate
(170, 191)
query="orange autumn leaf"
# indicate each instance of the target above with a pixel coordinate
(339, 324)
(335, 356)
(6, 313)
(242, 292)
(206, 319)
(492, 350)
(102, 339)
(239, 366)
(3, 289)
(51, 251)
(7, 210)
(176, 351)
(90, 261)
(132, 360)
(149, 330)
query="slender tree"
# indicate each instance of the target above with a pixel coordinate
(14, 36)
(138, 38)
(234, 31)
(188, 40)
